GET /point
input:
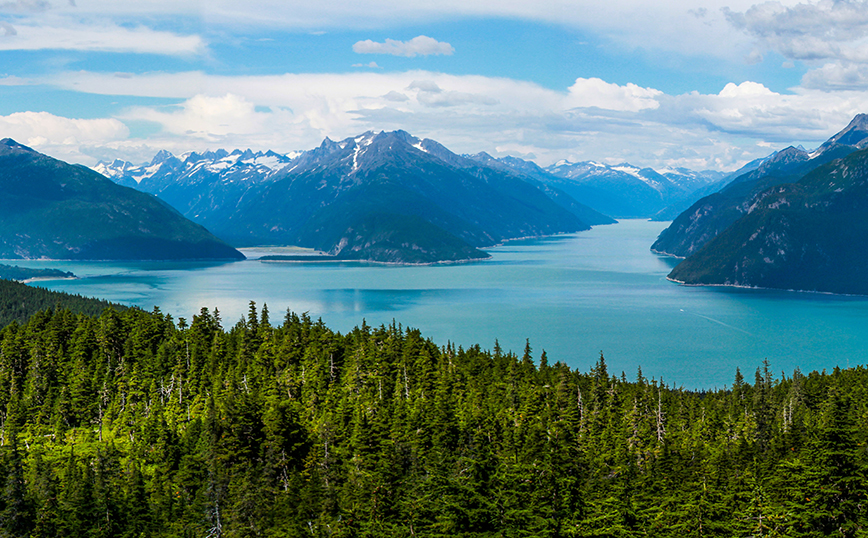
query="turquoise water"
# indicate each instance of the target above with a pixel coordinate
(573, 295)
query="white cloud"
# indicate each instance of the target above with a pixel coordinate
(746, 89)
(206, 117)
(594, 92)
(418, 46)
(102, 36)
(12, 80)
(591, 120)
(372, 65)
(429, 94)
(837, 76)
(25, 6)
(625, 23)
(397, 97)
(58, 136)
(828, 29)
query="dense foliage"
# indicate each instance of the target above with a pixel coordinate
(131, 424)
(807, 235)
(14, 272)
(19, 301)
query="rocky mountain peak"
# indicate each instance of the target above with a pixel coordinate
(8, 146)
(855, 134)
(161, 156)
(785, 157)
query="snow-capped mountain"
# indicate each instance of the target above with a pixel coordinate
(376, 196)
(198, 183)
(624, 190)
(621, 190)
(196, 167)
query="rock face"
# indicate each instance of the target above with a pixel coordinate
(809, 235)
(52, 209)
(711, 215)
(386, 197)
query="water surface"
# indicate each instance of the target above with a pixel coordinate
(573, 295)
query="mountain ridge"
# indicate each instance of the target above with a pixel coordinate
(808, 235)
(323, 197)
(712, 214)
(52, 209)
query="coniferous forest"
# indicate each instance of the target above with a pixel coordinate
(19, 301)
(134, 424)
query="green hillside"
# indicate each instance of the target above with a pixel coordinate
(14, 272)
(811, 235)
(132, 425)
(52, 209)
(18, 302)
(711, 215)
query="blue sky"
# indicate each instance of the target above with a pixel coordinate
(706, 85)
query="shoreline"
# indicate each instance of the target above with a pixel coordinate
(745, 287)
(663, 253)
(46, 278)
(398, 264)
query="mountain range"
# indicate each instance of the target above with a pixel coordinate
(626, 191)
(799, 221)
(712, 214)
(387, 197)
(52, 209)
(396, 198)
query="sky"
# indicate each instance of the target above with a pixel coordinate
(701, 85)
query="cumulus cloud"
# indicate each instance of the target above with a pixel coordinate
(591, 120)
(59, 136)
(418, 46)
(397, 97)
(206, 117)
(428, 93)
(829, 29)
(594, 92)
(837, 76)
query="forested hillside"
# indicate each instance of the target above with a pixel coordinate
(14, 272)
(19, 301)
(132, 424)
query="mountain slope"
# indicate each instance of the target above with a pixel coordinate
(378, 196)
(625, 191)
(810, 235)
(333, 190)
(708, 217)
(52, 209)
(529, 171)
